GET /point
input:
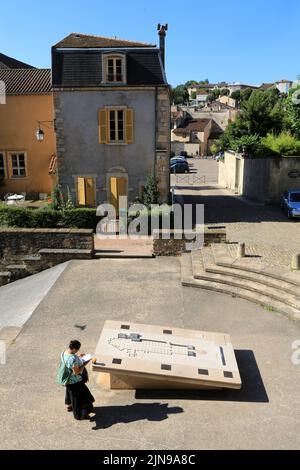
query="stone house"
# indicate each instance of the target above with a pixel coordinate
(112, 109)
(195, 136)
(26, 165)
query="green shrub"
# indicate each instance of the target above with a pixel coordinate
(80, 218)
(47, 218)
(15, 217)
(283, 144)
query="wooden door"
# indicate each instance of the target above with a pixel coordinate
(118, 188)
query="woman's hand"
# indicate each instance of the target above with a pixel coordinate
(76, 370)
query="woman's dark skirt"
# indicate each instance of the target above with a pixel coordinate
(80, 398)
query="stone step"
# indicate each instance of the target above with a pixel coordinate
(65, 253)
(204, 259)
(268, 303)
(5, 278)
(260, 288)
(222, 258)
(116, 255)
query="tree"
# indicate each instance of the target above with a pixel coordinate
(213, 95)
(292, 115)
(57, 198)
(245, 94)
(193, 95)
(262, 114)
(236, 95)
(190, 83)
(224, 92)
(151, 194)
(180, 95)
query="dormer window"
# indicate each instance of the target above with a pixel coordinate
(114, 69)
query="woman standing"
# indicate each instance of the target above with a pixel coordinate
(78, 397)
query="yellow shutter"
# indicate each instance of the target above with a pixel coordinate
(129, 126)
(81, 192)
(90, 191)
(103, 126)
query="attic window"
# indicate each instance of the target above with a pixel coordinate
(114, 69)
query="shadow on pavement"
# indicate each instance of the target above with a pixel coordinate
(228, 208)
(107, 416)
(252, 391)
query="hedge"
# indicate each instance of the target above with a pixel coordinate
(47, 218)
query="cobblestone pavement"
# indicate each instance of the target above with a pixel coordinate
(266, 230)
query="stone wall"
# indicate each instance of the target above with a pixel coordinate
(260, 179)
(165, 242)
(163, 143)
(16, 241)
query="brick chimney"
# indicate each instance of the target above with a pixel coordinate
(162, 32)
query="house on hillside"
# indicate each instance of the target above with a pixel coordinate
(112, 108)
(195, 136)
(26, 165)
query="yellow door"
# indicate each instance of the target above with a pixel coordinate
(118, 188)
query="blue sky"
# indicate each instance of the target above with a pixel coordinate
(250, 41)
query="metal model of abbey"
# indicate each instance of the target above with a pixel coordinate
(134, 356)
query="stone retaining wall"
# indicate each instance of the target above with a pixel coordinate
(165, 242)
(16, 241)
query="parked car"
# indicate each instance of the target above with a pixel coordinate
(179, 167)
(290, 202)
(178, 158)
(218, 156)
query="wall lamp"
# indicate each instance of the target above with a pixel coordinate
(40, 134)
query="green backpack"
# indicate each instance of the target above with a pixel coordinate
(63, 373)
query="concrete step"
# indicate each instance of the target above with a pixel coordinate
(204, 259)
(121, 255)
(261, 289)
(222, 258)
(270, 304)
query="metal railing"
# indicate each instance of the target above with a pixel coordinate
(190, 180)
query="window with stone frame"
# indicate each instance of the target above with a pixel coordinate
(2, 165)
(116, 125)
(114, 69)
(18, 165)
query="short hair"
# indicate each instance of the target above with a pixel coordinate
(74, 344)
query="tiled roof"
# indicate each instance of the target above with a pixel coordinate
(196, 125)
(84, 68)
(26, 81)
(7, 62)
(77, 40)
(266, 86)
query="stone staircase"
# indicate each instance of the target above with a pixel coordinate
(216, 268)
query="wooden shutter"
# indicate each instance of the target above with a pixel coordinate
(90, 191)
(103, 126)
(81, 191)
(129, 125)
